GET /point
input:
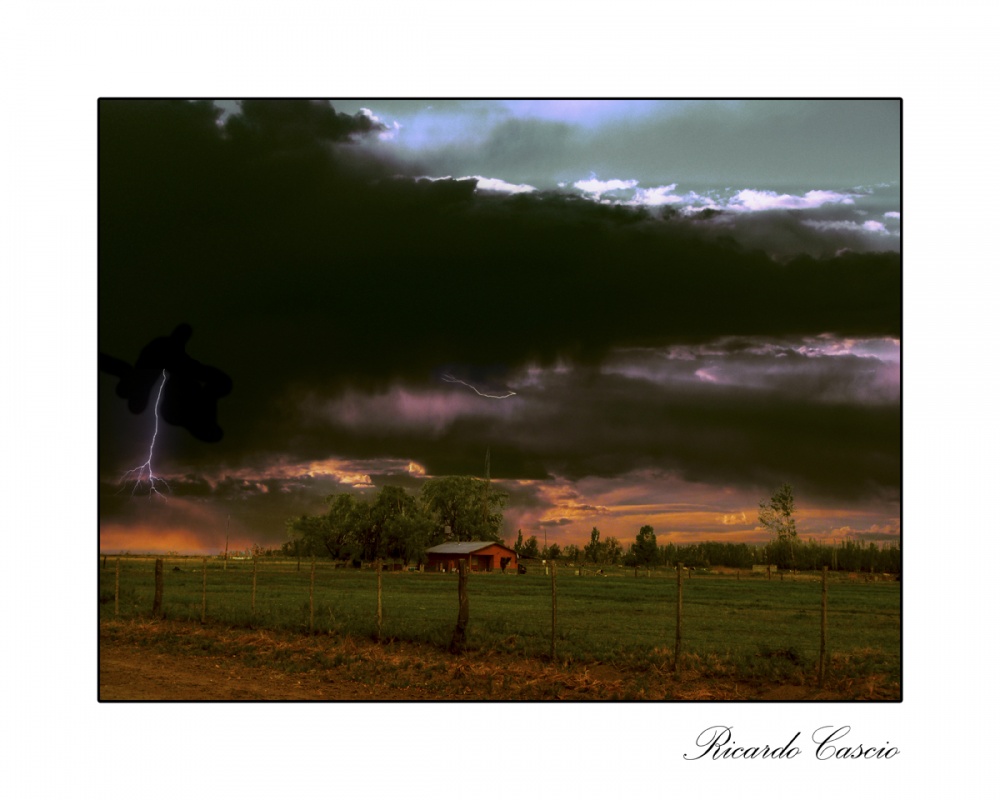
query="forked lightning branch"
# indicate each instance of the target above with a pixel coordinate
(143, 474)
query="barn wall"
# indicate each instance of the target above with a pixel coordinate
(496, 552)
(476, 561)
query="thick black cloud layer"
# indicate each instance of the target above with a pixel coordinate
(304, 264)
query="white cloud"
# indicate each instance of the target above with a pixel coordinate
(595, 188)
(657, 196)
(871, 226)
(743, 201)
(385, 136)
(391, 130)
(891, 214)
(756, 200)
(498, 185)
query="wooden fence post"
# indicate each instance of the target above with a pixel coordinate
(552, 648)
(118, 572)
(458, 638)
(204, 588)
(312, 584)
(378, 593)
(158, 589)
(680, 601)
(822, 635)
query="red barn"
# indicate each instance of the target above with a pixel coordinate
(480, 557)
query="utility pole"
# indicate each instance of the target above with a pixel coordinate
(486, 491)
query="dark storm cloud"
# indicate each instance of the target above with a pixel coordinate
(307, 264)
(734, 435)
(293, 124)
(741, 412)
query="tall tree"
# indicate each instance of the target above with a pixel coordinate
(530, 548)
(392, 524)
(593, 551)
(776, 517)
(613, 550)
(310, 536)
(470, 507)
(645, 546)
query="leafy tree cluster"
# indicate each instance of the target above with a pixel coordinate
(396, 524)
(526, 548)
(643, 551)
(572, 553)
(609, 551)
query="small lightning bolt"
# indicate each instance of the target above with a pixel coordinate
(144, 472)
(453, 379)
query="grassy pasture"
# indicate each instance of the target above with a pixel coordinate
(759, 628)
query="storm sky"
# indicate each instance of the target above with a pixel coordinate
(650, 312)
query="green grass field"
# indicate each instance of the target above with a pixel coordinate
(767, 629)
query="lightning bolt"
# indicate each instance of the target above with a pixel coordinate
(144, 472)
(453, 379)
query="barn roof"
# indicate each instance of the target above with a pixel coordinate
(463, 548)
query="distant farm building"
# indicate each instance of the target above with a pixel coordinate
(479, 556)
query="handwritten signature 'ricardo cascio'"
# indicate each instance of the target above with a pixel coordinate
(717, 742)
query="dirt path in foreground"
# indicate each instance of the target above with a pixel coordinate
(131, 672)
(147, 660)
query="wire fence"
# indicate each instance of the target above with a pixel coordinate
(557, 611)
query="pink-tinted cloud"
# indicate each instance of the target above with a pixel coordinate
(402, 409)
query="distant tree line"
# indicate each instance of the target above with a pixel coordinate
(396, 524)
(785, 550)
(851, 555)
